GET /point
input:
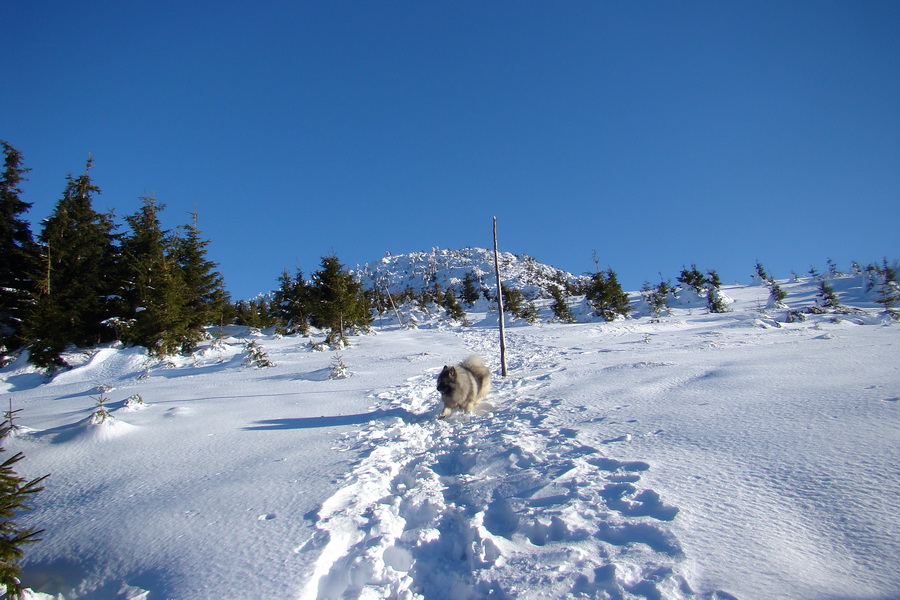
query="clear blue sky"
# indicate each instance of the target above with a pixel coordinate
(655, 133)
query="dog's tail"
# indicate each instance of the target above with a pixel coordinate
(482, 375)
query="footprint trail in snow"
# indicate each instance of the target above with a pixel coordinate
(505, 503)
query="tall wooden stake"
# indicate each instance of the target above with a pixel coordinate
(500, 303)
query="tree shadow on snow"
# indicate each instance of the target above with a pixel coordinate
(337, 420)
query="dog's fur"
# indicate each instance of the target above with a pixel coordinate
(464, 385)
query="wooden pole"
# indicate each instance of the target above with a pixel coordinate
(500, 303)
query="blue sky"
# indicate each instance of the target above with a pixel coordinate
(657, 134)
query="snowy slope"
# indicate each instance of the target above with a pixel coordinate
(705, 456)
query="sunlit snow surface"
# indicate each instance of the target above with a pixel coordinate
(704, 456)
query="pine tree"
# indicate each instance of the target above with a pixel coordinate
(776, 295)
(154, 289)
(657, 299)
(513, 301)
(454, 309)
(15, 492)
(760, 277)
(714, 301)
(470, 293)
(827, 295)
(337, 300)
(290, 303)
(205, 299)
(692, 278)
(17, 250)
(560, 307)
(75, 275)
(607, 297)
(889, 297)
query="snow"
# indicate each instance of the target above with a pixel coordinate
(727, 455)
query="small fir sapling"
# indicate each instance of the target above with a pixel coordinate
(338, 368)
(827, 296)
(257, 356)
(776, 296)
(9, 417)
(889, 297)
(101, 414)
(530, 313)
(134, 401)
(560, 308)
(714, 301)
(453, 308)
(760, 277)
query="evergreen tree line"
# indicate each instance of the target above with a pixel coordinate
(333, 300)
(81, 282)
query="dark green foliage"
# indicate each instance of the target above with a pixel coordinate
(291, 303)
(451, 305)
(154, 288)
(338, 302)
(827, 296)
(714, 301)
(17, 250)
(205, 300)
(776, 294)
(15, 492)
(513, 301)
(760, 276)
(75, 272)
(530, 313)
(692, 278)
(657, 299)
(470, 293)
(560, 306)
(607, 297)
(889, 297)
(254, 313)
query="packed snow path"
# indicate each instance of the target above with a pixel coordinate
(504, 503)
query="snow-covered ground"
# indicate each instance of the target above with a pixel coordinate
(704, 456)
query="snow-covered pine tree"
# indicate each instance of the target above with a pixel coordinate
(692, 278)
(776, 296)
(15, 493)
(657, 299)
(17, 251)
(760, 277)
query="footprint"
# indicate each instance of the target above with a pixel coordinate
(624, 498)
(639, 533)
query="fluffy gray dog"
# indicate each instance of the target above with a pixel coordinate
(464, 385)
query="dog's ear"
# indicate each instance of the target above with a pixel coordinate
(452, 371)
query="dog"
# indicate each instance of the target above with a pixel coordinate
(464, 385)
